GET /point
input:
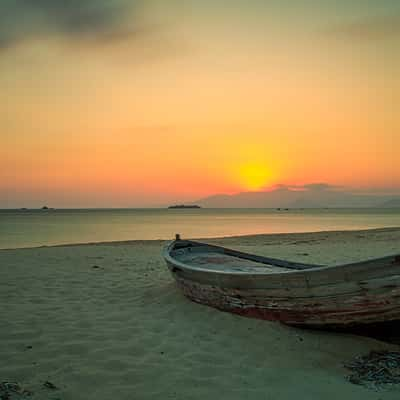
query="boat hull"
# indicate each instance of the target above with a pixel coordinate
(343, 296)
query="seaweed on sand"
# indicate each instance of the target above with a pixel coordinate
(376, 369)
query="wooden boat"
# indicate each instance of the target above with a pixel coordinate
(293, 293)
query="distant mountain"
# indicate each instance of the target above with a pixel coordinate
(392, 203)
(309, 196)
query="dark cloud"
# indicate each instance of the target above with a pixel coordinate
(377, 28)
(22, 20)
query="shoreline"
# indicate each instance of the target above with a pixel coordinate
(214, 238)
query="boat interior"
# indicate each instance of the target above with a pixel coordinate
(218, 259)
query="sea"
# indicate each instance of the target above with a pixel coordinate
(31, 228)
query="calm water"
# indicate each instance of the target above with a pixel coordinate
(38, 228)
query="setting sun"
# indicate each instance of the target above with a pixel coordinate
(254, 176)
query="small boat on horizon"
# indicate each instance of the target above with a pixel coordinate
(293, 293)
(184, 206)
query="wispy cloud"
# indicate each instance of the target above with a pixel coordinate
(368, 29)
(97, 20)
(320, 186)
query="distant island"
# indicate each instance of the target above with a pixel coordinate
(184, 206)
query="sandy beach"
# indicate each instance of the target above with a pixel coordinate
(106, 321)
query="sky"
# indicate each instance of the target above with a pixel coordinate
(125, 103)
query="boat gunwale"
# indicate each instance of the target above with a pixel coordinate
(312, 267)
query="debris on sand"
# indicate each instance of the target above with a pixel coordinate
(376, 369)
(50, 385)
(7, 389)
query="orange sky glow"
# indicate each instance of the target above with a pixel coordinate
(196, 108)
